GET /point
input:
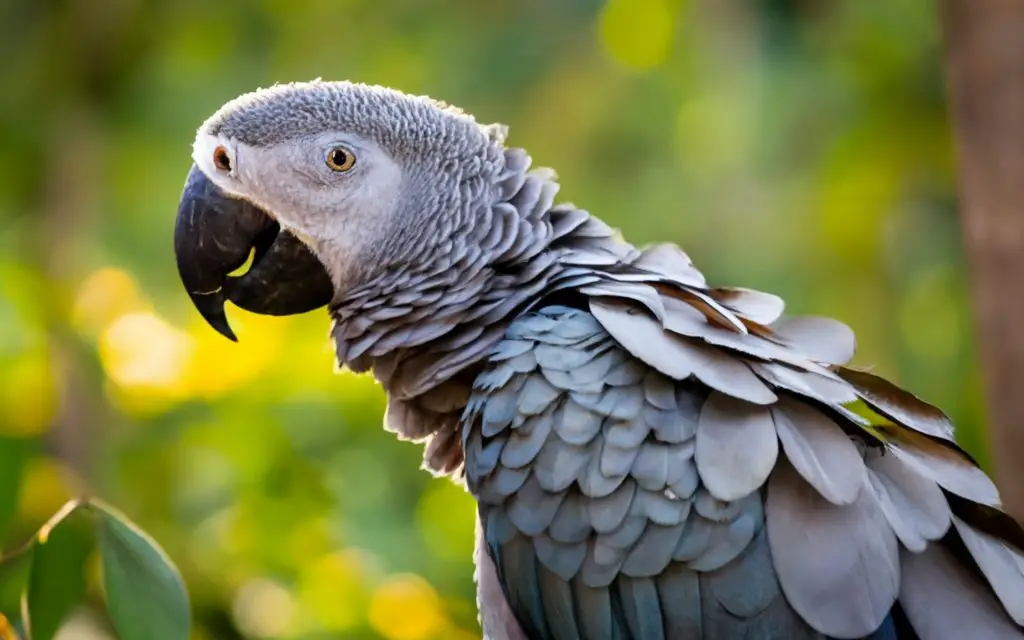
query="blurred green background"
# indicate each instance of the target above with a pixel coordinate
(796, 146)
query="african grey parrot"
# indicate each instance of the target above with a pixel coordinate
(652, 457)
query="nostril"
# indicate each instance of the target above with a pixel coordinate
(221, 160)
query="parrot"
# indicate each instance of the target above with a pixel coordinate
(651, 457)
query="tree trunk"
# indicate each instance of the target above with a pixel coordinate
(985, 65)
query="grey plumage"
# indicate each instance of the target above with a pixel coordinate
(653, 457)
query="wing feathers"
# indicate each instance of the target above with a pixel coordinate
(837, 564)
(642, 609)
(913, 504)
(1002, 565)
(736, 446)
(820, 451)
(821, 339)
(942, 599)
(638, 491)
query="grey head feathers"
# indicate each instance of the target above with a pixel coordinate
(421, 167)
(415, 126)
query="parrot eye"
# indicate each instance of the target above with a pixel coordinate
(340, 159)
(221, 160)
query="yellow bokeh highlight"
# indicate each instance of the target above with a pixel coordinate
(105, 295)
(146, 360)
(263, 608)
(28, 395)
(854, 202)
(638, 33)
(150, 364)
(7, 631)
(218, 365)
(406, 607)
(332, 591)
(141, 349)
(43, 490)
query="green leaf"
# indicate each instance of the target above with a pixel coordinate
(57, 581)
(13, 454)
(146, 597)
(14, 576)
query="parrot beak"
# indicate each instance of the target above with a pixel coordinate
(215, 234)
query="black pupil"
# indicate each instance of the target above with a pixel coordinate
(221, 160)
(339, 157)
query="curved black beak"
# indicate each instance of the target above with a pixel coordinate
(215, 234)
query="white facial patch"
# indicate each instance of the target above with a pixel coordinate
(203, 150)
(334, 213)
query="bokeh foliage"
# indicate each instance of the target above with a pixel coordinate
(800, 147)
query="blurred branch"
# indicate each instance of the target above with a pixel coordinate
(68, 197)
(99, 47)
(985, 64)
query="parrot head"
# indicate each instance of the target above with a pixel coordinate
(321, 184)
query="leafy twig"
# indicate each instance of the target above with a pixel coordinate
(41, 535)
